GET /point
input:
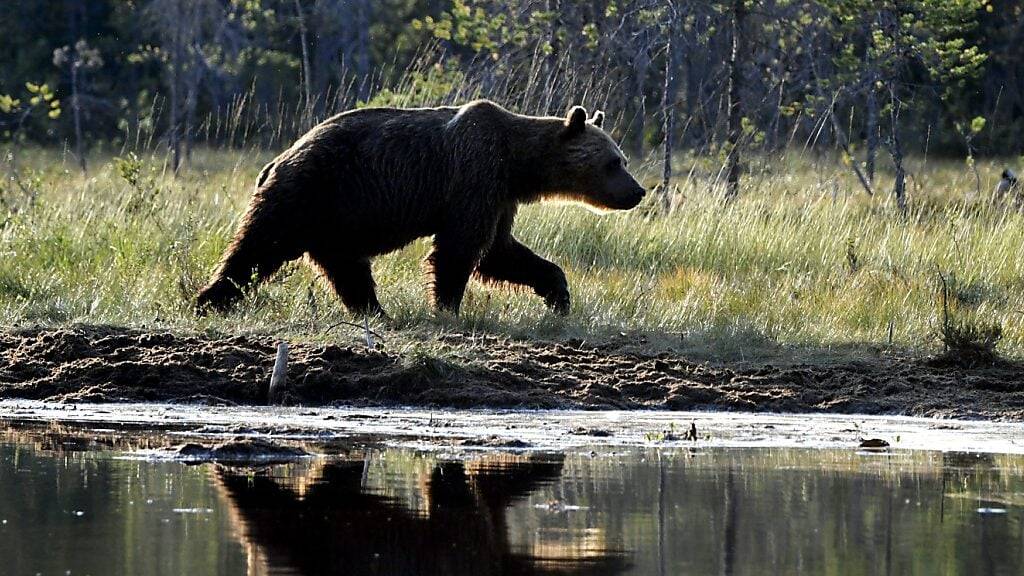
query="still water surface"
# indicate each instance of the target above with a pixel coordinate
(72, 505)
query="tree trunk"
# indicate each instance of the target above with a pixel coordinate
(76, 109)
(641, 67)
(669, 103)
(900, 185)
(896, 150)
(174, 142)
(328, 27)
(695, 135)
(872, 133)
(871, 105)
(191, 97)
(554, 97)
(307, 82)
(363, 18)
(735, 133)
(76, 14)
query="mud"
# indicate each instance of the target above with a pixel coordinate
(104, 364)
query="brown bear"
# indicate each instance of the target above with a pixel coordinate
(370, 181)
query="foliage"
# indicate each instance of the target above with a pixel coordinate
(175, 70)
(15, 111)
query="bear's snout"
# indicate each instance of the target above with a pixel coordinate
(629, 198)
(637, 195)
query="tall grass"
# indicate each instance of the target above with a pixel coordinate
(803, 258)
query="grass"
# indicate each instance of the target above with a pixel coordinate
(803, 259)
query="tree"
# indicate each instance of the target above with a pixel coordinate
(14, 112)
(921, 38)
(77, 60)
(901, 50)
(738, 12)
(307, 83)
(198, 39)
(831, 73)
(672, 58)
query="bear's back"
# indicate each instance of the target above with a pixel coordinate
(386, 123)
(375, 175)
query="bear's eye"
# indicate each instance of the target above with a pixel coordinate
(614, 164)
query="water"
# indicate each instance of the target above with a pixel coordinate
(73, 503)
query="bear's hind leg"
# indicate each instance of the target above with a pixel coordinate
(353, 282)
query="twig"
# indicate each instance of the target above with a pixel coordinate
(945, 309)
(365, 326)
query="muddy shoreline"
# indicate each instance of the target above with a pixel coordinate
(89, 364)
(162, 430)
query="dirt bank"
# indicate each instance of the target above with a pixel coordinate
(93, 364)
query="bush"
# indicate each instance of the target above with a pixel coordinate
(966, 341)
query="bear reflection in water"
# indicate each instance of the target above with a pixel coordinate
(332, 525)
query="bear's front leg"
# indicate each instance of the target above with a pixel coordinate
(452, 261)
(510, 261)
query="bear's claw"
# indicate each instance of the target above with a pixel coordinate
(558, 302)
(218, 296)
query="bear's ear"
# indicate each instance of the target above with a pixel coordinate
(575, 121)
(598, 119)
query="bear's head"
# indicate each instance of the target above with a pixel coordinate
(588, 167)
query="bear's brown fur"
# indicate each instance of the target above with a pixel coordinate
(370, 181)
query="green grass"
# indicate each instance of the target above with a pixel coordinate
(803, 258)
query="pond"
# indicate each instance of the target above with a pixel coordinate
(93, 501)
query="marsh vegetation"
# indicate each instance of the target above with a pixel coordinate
(803, 259)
